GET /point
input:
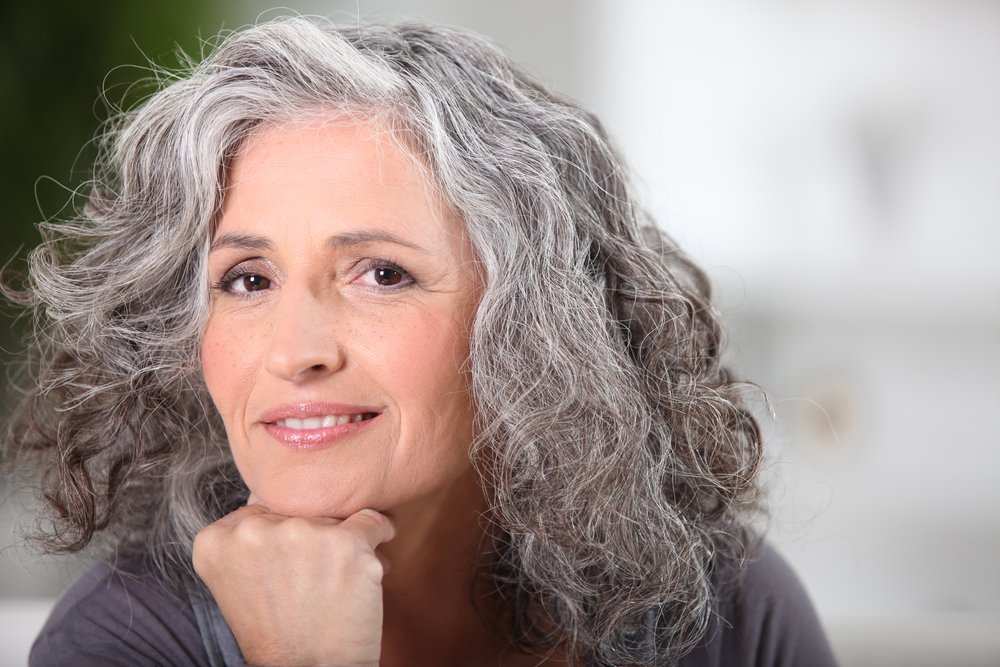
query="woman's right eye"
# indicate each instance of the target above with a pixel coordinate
(250, 283)
(243, 282)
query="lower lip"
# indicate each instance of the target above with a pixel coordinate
(315, 438)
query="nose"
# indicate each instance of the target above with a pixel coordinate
(303, 342)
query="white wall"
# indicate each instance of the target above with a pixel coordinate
(836, 165)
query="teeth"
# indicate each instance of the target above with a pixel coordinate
(310, 423)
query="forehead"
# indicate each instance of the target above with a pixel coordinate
(319, 178)
(320, 144)
(345, 168)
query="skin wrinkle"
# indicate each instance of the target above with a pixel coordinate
(594, 354)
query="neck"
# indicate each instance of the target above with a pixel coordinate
(429, 613)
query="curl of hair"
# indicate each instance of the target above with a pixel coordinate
(619, 458)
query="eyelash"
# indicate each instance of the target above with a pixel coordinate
(241, 271)
(232, 275)
(370, 265)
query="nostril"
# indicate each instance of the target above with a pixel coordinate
(295, 354)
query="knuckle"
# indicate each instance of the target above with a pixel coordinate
(251, 533)
(204, 549)
(339, 544)
(346, 548)
(296, 530)
(373, 568)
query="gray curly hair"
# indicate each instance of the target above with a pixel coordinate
(620, 461)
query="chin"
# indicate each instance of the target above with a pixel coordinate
(309, 504)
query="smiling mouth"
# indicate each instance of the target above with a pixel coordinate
(325, 421)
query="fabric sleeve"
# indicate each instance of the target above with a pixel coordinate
(118, 617)
(767, 620)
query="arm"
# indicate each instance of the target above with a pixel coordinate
(119, 616)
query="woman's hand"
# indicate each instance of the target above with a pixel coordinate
(297, 591)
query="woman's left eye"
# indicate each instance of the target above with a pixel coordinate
(384, 274)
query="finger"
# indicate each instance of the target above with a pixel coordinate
(370, 526)
(386, 563)
(242, 513)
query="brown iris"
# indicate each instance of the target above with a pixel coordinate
(386, 276)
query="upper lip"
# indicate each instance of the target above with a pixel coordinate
(313, 409)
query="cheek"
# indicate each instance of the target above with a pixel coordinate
(432, 394)
(421, 360)
(227, 360)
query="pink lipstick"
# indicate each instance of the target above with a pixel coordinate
(313, 426)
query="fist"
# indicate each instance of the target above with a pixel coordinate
(298, 591)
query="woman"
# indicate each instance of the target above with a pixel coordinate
(361, 352)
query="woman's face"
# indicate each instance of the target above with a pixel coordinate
(343, 295)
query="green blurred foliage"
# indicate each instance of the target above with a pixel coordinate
(63, 66)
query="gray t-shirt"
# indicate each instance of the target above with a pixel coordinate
(125, 616)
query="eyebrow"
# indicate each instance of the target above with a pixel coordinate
(349, 239)
(242, 242)
(364, 236)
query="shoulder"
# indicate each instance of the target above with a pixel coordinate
(121, 614)
(765, 619)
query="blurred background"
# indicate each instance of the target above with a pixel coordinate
(834, 164)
